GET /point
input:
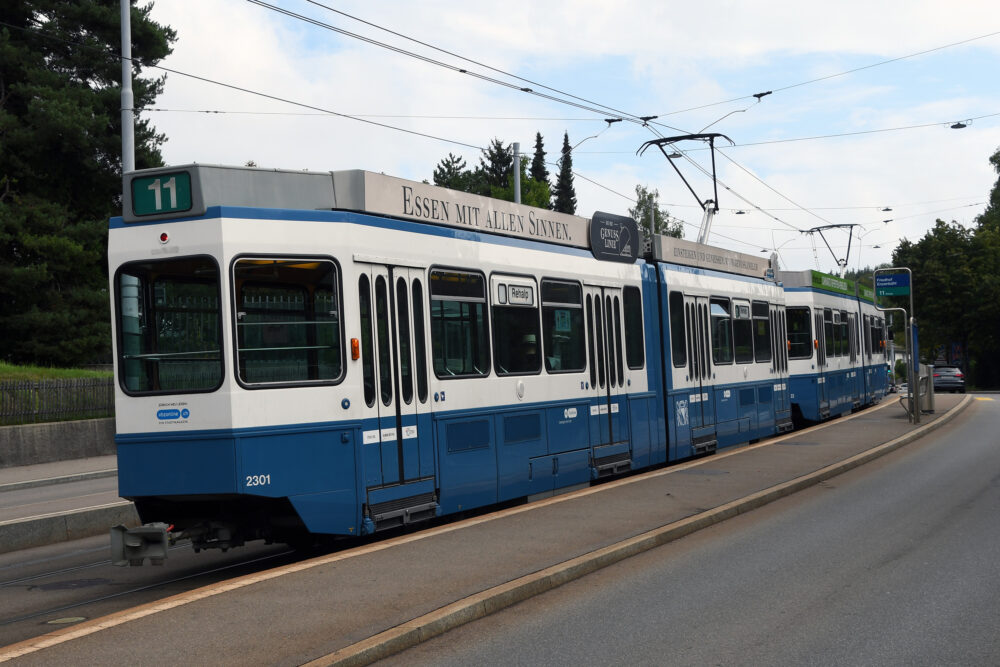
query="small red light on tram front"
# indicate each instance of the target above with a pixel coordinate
(355, 349)
(164, 237)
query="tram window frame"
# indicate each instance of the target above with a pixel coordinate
(742, 332)
(678, 330)
(404, 335)
(283, 274)
(796, 345)
(722, 346)
(591, 342)
(564, 335)
(477, 324)
(515, 326)
(760, 312)
(419, 338)
(829, 333)
(867, 336)
(366, 317)
(843, 337)
(147, 363)
(635, 341)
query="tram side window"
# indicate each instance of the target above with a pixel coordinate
(722, 331)
(634, 353)
(288, 327)
(742, 333)
(800, 335)
(678, 342)
(761, 331)
(169, 326)
(515, 329)
(459, 327)
(565, 340)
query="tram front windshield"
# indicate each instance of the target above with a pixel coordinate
(169, 326)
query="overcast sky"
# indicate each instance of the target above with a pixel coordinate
(694, 65)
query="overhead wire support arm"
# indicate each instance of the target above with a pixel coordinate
(710, 211)
(850, 233)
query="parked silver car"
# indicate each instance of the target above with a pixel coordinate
(949, 378)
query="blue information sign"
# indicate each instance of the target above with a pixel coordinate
(892, 284)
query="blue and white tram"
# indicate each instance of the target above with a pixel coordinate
(726, 360)
(306, 353)
(874, 354)
(835, 346)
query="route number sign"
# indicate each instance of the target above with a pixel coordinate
(162, 193)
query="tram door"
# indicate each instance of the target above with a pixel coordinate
(394, 365)
(701, 411)
(606, 362)
(819, 342)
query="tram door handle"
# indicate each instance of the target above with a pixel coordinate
(555, 465)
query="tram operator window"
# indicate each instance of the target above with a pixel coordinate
(459, 328)
(287, 321)
(562, 323)
(169, 326)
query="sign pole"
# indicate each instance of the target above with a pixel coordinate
(897, 281)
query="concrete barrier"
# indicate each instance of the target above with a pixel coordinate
(56, 441)
(65, 526)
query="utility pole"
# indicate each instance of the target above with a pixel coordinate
(517, 173)
(128, 115)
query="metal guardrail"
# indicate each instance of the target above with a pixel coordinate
(35, 401)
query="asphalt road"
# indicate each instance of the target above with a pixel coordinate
(893, 563)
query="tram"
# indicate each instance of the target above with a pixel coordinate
(302, 354)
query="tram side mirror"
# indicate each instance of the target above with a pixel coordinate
(892, 335)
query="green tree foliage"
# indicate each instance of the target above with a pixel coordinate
(564, 194)
(956, 288)
(451, 173)
(533, 193)
(497, 163)
(494, 177)
(60, 169)
(651, 218)
(539, 171)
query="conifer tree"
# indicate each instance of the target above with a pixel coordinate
(60, 168)
(564, 194)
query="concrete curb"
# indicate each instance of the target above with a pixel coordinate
(65, 526)
(65, 479)
(423, 628)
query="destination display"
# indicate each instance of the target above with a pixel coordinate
(428, 203)
(679, 251)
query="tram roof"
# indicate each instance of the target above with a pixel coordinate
(184, 191)
(189, 190)
(825, 281)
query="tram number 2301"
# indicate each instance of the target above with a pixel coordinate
(258, 480)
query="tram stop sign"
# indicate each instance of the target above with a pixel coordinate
(892, 284)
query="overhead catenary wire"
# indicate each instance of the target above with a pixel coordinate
(833, 76)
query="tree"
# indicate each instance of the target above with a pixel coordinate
(533, 193)
(497, 163)
(539, 171)
(991, 216)
(651, 218)
(451, 173)
(60, 168)
(563, 193)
